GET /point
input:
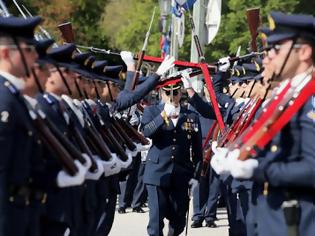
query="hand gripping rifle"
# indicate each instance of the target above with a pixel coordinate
(253, 20)
(142, 53)
(276, 117)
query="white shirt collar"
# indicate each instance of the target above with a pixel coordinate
(18, 83)
(56, 96)
(31, 100)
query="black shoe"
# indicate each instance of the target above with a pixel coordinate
(122, 210)
(138, 210)
(196, 224)
(211, 224)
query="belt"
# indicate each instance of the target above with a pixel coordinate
(24, 195)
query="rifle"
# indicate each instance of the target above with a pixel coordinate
(207, 151)
(43, 127)
(293, 99)
(127, 140)
(195, 36)
(67, 32)
(132, 132)
(253, 20)
(109, 138)
(141, 54)
(83, 145)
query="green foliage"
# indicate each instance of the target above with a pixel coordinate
(122, 24)
(234, 29)
(125, 23)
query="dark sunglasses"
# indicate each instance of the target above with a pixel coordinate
(175, 92)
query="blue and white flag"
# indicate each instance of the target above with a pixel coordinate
(179, 6)
(213, 19)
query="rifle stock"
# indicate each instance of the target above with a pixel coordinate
(133, 132)
(66, 32)
(54, 144)
(253, 20)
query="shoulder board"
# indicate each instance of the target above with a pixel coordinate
(46, 97)
(11, 87)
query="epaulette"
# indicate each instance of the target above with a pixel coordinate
(11, 88)
(46, 97)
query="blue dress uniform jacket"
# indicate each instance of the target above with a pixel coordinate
(287, 168)
(169, 156)
(16, 146)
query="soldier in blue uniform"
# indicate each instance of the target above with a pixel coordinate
(17, 55)
(283, 190)
(173, 160)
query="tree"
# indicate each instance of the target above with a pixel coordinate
(125, 23)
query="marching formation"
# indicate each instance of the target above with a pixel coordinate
(76, 131)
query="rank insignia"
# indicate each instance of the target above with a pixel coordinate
(4, 116)
(311, 115)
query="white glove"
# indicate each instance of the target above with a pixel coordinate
(127, 57)
(112, 166)
(134, 152)
(66, 180)
(144, 155)
(169, 109)
(193, 183)
(186, 80)
(88, 162)
(167, 64)
(98, 172)
(224, 64)
(214, 146)
(219, 162)
(127, 163)
(241, 169)
(141, 147)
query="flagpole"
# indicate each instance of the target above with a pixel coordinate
(174, 40)
(199, 16)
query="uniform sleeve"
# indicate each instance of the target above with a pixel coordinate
(150, 123)
(204, 108)
(128, 81)
(128, 98)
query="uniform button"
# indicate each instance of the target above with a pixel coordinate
(172, 157)
(274, 148)
(39, 142)
(173, 148)
(175, 131)
(30, 133)
(174, 139)
(65, 133)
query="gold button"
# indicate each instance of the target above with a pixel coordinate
(44, 199)
(266, 187)
(274, 148)
(30, 133)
